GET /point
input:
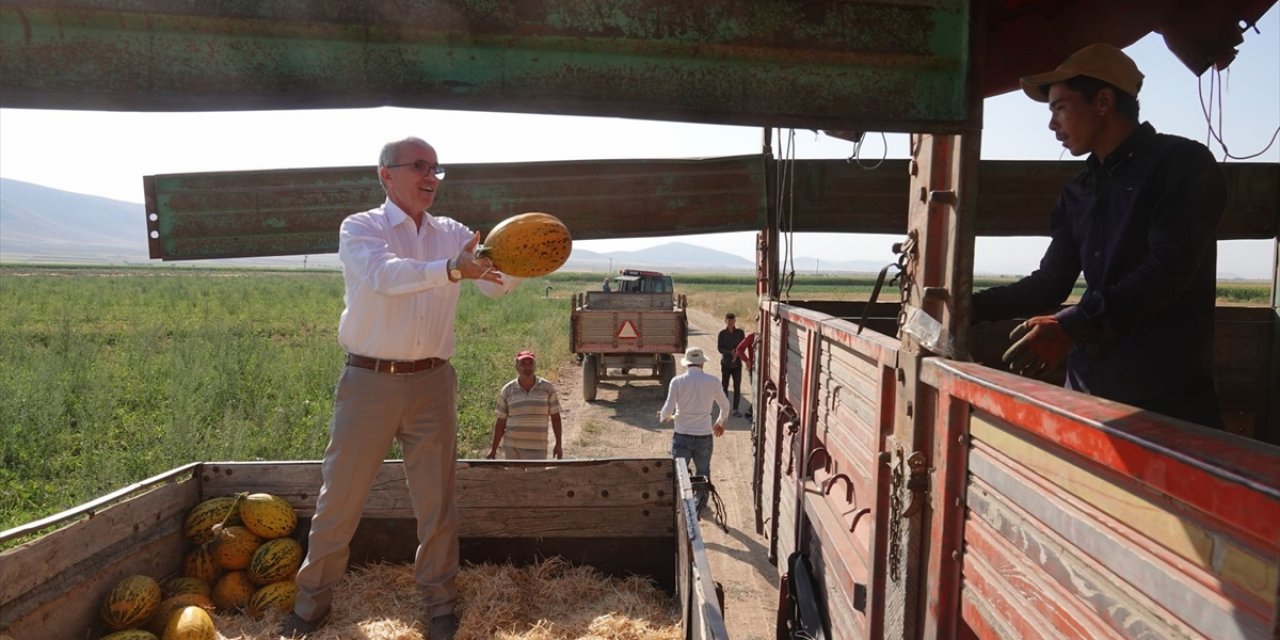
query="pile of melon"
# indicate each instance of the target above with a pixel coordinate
(242, 560)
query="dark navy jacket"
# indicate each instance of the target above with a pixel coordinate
(1142, 228)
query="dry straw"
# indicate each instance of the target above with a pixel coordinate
(553, 600)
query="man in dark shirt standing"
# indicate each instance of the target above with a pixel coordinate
(1140, 222)
(730, 366)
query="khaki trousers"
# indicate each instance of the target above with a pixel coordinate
(517, 453)
(370, 410)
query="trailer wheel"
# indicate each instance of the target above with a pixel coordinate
(589, 377)
(667, 371)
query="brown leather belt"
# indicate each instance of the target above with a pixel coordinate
(394, 366)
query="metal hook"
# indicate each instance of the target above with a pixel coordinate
(808, 463)
(830, 483)
(858, 516)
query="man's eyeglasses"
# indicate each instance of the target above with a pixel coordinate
(421, 168)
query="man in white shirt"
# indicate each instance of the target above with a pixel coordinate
(689, 401)
(403, 268)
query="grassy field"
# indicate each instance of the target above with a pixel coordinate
(111, 375)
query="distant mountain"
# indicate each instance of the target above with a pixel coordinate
(39, 223)
(672, 256)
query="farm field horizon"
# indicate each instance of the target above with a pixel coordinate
(114, 374)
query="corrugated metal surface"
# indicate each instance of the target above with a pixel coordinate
(252, 213)
(896, 66)
(1088, 520)
(290, 212)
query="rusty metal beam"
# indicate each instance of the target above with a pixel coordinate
(297, 211)
(858, 64)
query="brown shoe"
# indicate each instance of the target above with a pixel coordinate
(442, 627)
(296, 626)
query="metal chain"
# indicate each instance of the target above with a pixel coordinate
(905, 278)
(895, 517)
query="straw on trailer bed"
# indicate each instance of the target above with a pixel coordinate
(552, 600)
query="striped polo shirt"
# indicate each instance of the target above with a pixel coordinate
(528, 413)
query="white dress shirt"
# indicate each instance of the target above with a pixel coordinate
(690, 399)
(400, 302)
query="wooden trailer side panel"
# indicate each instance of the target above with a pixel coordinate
(1096, 520)
(51, 586)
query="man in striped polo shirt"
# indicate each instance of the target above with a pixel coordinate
(523, 407)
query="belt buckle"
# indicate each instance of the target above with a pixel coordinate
(393, 368)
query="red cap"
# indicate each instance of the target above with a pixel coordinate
(524, 355)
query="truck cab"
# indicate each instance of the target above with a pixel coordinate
(637, 281)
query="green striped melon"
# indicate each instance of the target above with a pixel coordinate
(199, 563)
(275, 560)
(278, 596)
(184, 584)
(268, 516)
(131, 602)
(198, 527)
(528, 245)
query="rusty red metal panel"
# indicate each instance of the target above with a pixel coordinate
(946, 527)
(1236, 481)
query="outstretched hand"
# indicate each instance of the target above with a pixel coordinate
(474, 268)
(1040, 345)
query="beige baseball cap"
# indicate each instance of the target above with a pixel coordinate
(1102, 61)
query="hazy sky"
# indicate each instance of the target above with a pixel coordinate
(107, 153)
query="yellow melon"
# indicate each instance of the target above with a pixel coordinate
(131, 602)
(528, 245)
(278, 596)
(233, 547)
(127, 634)
(233, 591)
(268, 516)
(173, 604)
(190, 623)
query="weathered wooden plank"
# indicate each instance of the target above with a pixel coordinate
(1146, 523)
(991, 606)
(51, 586)
(154, 513)
(841, 563)
(597, 521)
(1167, 587)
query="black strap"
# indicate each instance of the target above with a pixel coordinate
(875, 294)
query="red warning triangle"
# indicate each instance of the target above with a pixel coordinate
(628, 331)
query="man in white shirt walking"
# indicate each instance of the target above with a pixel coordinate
(403, 268)
(689, 401)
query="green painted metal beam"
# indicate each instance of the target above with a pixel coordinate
(853, 65)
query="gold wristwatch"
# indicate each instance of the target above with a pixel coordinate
(455, 274)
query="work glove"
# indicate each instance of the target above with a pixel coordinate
(1040, 345)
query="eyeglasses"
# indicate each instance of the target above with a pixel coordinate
(421, 168)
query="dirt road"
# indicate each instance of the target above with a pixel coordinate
(621, 422)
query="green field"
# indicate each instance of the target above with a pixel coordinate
(111, 375)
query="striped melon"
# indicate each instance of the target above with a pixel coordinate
(278, 596)
(275, 560)
(130, 634)
(233, 547)
(131, 602)
(198, 527)
(268, 516)
(173, 604)
(184, 584)
(528, 245)
(190, 623)
(199, 563)
(233, 591)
